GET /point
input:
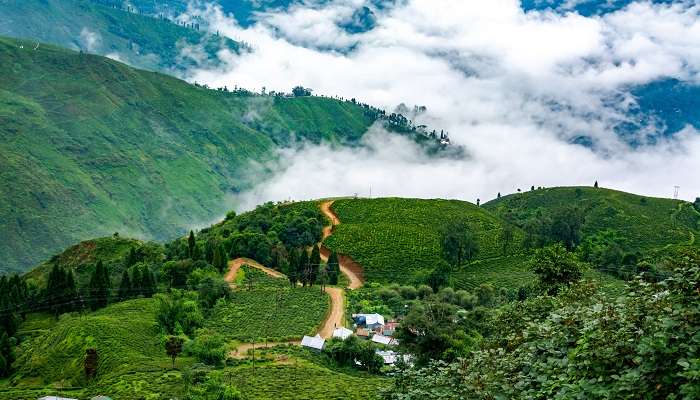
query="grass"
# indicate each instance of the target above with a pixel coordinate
(398, 240)
(91, 147)
(132, 361)
(297, 379)
(275, 314)
(644, 224)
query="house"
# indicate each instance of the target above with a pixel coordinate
(390, 357)
(55, 398)
(390, 328)
(313, 342)
(381, 339)
(101, 398)
(362, 333)
(342, 333)
(369, 321)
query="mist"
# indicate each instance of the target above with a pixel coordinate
(515, 89)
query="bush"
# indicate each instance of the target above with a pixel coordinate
(208, 347)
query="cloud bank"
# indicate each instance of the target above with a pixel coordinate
(518, 89)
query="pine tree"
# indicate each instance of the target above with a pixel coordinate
(595, 185)
(314, 264)
(125, 286)
(191, 244)
(333, 268)
(302, 267)
(148, 282)
(220, 258)
(293, 267)
(136, 279)
(210, 250)
(99, 287)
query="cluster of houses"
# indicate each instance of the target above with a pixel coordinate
(367, 326)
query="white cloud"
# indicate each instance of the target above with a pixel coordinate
(89, 40)
(513, 87)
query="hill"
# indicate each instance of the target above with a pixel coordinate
(398, 240)
(132, 362)
(114, 30)
(640, 224)
(91, 146)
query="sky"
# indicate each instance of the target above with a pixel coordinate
(515, 88)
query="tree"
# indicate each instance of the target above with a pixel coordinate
(178, 313)
(220, 259)
(314, 265)
(211, 288)
(303, 266)
(696, 204)
(61, 292)
(173, 347)
(99, 286)
(6, 353)
(459, 243)
(506, 236)
(333, 268)
(556, 267)
(566, 226)
(300, 91)
(148, 282)
(595, 185)
(209, 251)
(125, 289)
(90, 363)
(191, 245)
(293, 267)
(440, 276)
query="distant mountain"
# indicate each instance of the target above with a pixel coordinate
(583, 7)
(90, 146)
(116, 30)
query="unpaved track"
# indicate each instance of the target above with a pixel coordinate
(235, 265)
(335, 316)
(348, 266)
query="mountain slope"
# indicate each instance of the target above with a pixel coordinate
(91, 146)
(106, 28)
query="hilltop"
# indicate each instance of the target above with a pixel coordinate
(91, 146)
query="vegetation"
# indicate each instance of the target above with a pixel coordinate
(97, 123)
(399, 240)
(269, 314)
(581, 345)
(97, 26)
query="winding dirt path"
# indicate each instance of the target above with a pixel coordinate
(235, 265)
(335, 314)
(348, 266)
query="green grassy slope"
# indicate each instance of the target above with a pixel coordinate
(397, 240)
(642, 223)
(96, 27)
(132, 361)
(82, 257)
(90, 146)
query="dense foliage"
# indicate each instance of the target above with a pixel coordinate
(645, 344)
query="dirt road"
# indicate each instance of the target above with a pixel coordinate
(335, 316)
(348, 266)
(235, 265)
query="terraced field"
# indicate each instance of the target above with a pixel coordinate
(398, 240)
(274, 313)
(298, 379)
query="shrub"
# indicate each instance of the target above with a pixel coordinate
(208, 347)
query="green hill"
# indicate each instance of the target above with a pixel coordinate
(91, 146)
(398, 240)
(132, 362)
(107, 28)
(639, 223)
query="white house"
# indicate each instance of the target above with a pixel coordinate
(390, 357)
(381, 339)
(342, 333)
(55, 398)
(371, 321)
(313, 342)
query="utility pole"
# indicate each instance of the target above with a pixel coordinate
(675, 191)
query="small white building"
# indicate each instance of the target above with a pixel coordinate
(390, 357)
(55, 398)
(342, 333)
(313, 342)
(371, 321)
(381, 339)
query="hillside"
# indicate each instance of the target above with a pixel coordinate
(642, 224)
(108, 29)
(398, 240)
(91, 146)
